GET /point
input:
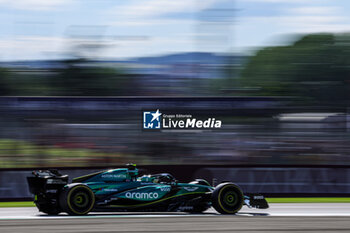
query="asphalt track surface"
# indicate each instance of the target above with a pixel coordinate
(312, 217)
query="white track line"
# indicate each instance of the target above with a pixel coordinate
(278, 210)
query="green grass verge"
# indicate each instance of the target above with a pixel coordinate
(269, 200)
(17, 204)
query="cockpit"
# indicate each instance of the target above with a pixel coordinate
(163, 178)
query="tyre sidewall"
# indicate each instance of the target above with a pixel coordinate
(228, 191)
(74, 192)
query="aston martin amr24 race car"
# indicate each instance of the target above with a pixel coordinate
(122, 189)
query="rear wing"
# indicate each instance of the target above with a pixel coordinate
(44, 180)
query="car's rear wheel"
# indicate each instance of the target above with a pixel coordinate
(77, 199)
(227, 198)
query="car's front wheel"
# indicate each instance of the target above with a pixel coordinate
(77, 199)
(227, 198)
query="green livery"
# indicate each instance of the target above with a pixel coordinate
(122, 189)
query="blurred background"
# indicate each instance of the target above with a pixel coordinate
(76, 74)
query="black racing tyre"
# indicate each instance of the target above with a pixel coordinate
(77, 199)
(227, 198)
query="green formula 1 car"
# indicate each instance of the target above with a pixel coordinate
(123, 189)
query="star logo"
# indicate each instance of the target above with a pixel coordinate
(152, 119)
(156, 115)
